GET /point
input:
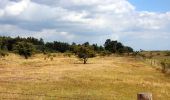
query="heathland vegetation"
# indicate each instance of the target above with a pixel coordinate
(66, 78)
(28, 46)
(36, 70)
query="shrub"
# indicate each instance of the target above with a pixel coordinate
(68, 54)
(3, 54)
(168, 66)
(49, 56)
(158, 54)
(25, 49)
(163, 65)
(84, 53)
(167, 53)
(150, 56)
(135, 53)
(142, 55)
(105, 53)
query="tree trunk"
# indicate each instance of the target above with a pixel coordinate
(85, 61)
(26, 57)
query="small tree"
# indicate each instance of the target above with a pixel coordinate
(84, 53)
(25, 49)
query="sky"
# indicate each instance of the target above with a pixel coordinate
(151, 5)
(141, 24)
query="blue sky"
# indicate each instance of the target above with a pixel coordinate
(151, 5)
(142, 24)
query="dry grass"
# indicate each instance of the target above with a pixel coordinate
(64, 78)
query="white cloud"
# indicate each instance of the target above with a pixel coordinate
(116, 7)
(82, 19)
(76, 17)
(151, 20)
(15, 8)
(52, 32)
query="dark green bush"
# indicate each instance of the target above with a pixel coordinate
(85, 52)
(25, 49)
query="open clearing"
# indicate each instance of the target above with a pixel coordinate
(64, 78)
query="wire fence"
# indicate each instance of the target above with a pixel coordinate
(156, 63)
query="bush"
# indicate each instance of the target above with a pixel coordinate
(3, 54)
(49, 56)
(142, 55)
(105, 53)
(68, 54)
(135, 53)
(167, 53)
(84, 53)
(168, 67)
(163, 65)
(158, 54)
(25, 49)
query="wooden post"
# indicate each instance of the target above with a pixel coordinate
(144, 96)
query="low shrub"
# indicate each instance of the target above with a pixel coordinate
(68, 54)
(163, 65)
(3, 54)
(167, 53)
(105, 53)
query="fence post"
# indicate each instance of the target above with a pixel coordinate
(144, 96)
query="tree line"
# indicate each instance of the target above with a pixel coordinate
(28, 46)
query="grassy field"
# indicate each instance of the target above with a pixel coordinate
(64, 78)
(158, 55)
